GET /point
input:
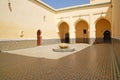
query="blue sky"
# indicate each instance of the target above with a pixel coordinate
(65, 3)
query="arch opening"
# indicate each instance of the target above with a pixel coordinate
(64, 32)
(103, 31)
(82, 33)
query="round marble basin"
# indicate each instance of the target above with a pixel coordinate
(63, 47)
(63, 50)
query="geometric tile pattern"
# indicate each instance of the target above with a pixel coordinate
(93, 63)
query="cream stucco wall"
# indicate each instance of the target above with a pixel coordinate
(116, 28)
(116, 18)
(27, 17)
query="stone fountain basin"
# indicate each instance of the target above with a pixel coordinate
(63, 47)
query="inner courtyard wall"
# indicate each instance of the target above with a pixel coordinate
(116, 18)
(20, 20)
(116, 29)
(91, 15)
(25, 18)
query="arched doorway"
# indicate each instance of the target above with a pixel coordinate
(63, 30)
(81, 32)
(107, 36)
(38, 37)
(103, 29)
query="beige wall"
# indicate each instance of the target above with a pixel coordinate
(116, 18)
(27, 17)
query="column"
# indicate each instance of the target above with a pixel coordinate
(92, 30)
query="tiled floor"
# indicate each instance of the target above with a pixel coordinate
(93, 63)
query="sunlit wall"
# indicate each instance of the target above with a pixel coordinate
(22, 19)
